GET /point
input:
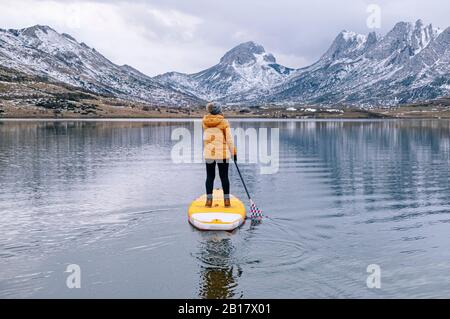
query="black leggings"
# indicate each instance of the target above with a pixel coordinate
(211, 175)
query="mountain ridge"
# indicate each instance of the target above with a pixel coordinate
(362, 76)
(408, 64)
(41, 51)
(244, 68)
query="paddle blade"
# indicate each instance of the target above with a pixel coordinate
(256, 213)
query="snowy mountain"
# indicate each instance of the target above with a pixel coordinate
(410, 63)
(246, 70)
(406, 65)
(427, 75)
(41, 51)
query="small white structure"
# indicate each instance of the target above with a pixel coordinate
(334, 111)
(291, 109)
(309, 110)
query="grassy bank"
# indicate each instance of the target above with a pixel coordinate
(100, 109)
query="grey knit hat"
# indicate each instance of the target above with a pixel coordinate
(214, 108)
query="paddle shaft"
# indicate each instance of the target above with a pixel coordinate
(242, 179)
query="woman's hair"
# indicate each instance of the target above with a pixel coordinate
(214, 108)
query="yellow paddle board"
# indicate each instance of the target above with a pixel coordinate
(217, 217)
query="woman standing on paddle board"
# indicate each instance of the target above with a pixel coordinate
(219, 146)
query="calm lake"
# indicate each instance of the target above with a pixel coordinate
(106, 195)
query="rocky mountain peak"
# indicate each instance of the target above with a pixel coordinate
(33, 31)
(245, 53)
(347, 44)
(404, 41)
(372, 38)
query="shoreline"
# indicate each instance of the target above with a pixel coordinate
(142, 112)
(192, 119)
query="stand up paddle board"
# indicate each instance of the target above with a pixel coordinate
(217, 217)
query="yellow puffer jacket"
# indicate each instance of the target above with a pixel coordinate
(217, 138)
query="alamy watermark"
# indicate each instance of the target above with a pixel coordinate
(374, 19)
(374, 279)
(73, 281)
(254, 146)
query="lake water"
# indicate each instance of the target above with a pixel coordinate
(105, 195)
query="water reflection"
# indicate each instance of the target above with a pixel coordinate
(219, 274)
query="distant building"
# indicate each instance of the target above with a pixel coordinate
(334, 111)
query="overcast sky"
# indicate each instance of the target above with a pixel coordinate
(190, 35)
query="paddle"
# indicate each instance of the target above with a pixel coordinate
(256, 213)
